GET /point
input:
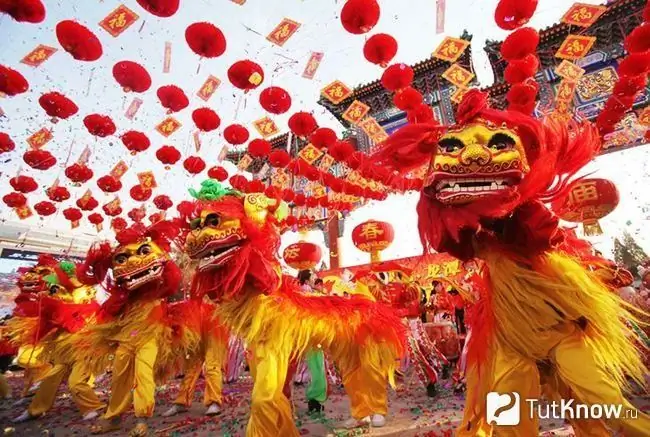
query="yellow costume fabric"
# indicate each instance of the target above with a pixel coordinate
(29, 359)
(5, 391)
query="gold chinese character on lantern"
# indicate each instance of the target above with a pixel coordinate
(336, 92)
(119, 20)
(371, 231)
(583, 15)
(575, 47)
(291, 252)
(583, 192)
(450, 49)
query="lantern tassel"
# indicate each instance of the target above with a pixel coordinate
(592, 228)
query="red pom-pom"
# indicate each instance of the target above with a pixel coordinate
(79, 173)
(57, 105)
(205, 39)
(109, 184)
(235, 134)
(140, 193)
(279, 158)
(132, 76)
(78, 40)
(111, 211)
(523, 94)
(39, 159)
(57, 194)
(245, 75)
(238, 182)
(194, 165)
(397, 76)
(163, 202)
(219, 173)
(422, 113)
(635, 64)
(522, 69)
(520, 44)
(6, 143)
(72, 214)
(172, 98)
(45, 208)
(629, 85)
(168, 155)
(135, 141)
(275, 100)
(206, 119)
(259, 148)
(302, 124)
(23, 184)
(99, 125)
(323, 138)
(360, 16)
(511, 14)
(96, 218)
(118, 224)
(185, 208)
(380, 49)
(12, 82)
(87, 204)
(341, 150)
(287, 195)
(160, 8)
(638, 40)
(407, 98)
(24, 11)
(14, 200)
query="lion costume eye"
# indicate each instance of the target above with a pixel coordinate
(212, 220)
(501, 141)
(121, 258)
(195, 223)
(145, 249)
(450, 145)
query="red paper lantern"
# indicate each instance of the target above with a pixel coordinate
(163, 202)
(79, 173)
(172, 98)
(638, 41)
(132, 76)
(380, 49)
(23, 184)
(255, 186)
(194, 165)
(271, 192)
(275, 100)
(118, 224)
(111, 211)
(24, 11)
(279, 158)
(523, 95)
(109, 184)
(291, 220)
(57, 105)
(185, 208)
(341, 150)
(12, 82)
(302, 124)
(137, 214)
(588, 200)
(14, 200)
(259, 148)
(78, 40)
(58, 194)
(235, 134)
(205, 39)
(87, 204)
(287, 195)
(72, 214)
(302, 255)
(323, 138)
(45, 208)
(168, 155)
(245, 75)
(299, 199)
(39, 159)
(407, 98)
(99, 125)
(373, 236)
(422, 113)
(135, 141)
(96, 218)
(238, 182)
(206, 119)
(219, 173)
(6, 143)
(156, 217)
(520, 70)
(397, 76)
(520, 43)
(511, 14)
(140, 193)
(360, 16)
(160, 8)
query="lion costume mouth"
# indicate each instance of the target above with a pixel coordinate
(141, 276)
(215, 253)
(453, 189)
(30, 286)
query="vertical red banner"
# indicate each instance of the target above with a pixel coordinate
(440, 16)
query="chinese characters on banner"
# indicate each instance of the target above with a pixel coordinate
(39, 138)
(310, 153)
(583, 15)
(569, 71)
(312, 65)
(113, 205)
(119, 20)
(119, 170)
(644, 117)
(266, 127)
(336, 92)
(244, 162)
(133, 108)
(450, 49)
(457, 96)
(280, 178)
(168, 57)
(575, 47)
(283, 31)
(168, 126)
(565, 91)
(326, 162)
(147, 180)
(372, 128)
(83, 201)
(208, 88)
(39, 55)
(458, 76)
(24, 212)
(440, 16)
(356, 112)
(197, 141)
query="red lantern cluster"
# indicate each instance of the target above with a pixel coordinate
(78, 40)
(168, 155)
(194, 165)
(135, 141)
(360, 16)
(57, 105)
(302, 255)
(235, 134)
(23, 184)
(58, 194)
(12, 82)
(275, 100)
(6, 143)
(206, 119)
(99, 125)
(172, 98)
(79, 173)
(45, 208)
(205, 39)
(380, 49)
(245, 75)
(519, 49)
(39, 159)
(132, 76)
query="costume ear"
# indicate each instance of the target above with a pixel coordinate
(257, 207)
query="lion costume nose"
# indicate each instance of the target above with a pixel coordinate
(475, 153)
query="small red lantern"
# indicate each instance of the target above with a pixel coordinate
(205, 39)
(302, 124)
(172, 98)
(275, 100)
(45, 208)
(235, 134)
(12, 82)
(168, 155)
(137, 214)
(14, 200)
(111, 211)
(118, 224)
(73, 215)
(341, 150)
(587, 201)
(245, 75)
(132, 76)
(39, 159)
(302, 255)
(23, 184)
(206, 119)
(79, 173)
(156, 217)
(78, 40)
(360, 16)
(238, 182)
(323, 138)
(397, 76)
(24, 11)
(6, 143)
(380, 49)
(511, 14)
(373, 237)
(279, 158)
(140, 193)
(109, 184)
(97, 220)
(57, 105)
(259, 148)
(163, 202)
(99, 125)
(185, 208)
(135, 141)
(58, 193)
(160, 8)
(87, 204)
(407, 98)
(194, 165)
(219, 173)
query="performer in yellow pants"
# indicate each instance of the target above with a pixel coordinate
(35, 370)
(5, 391)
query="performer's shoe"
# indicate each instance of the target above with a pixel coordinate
(352, 423)
(21, 402)
(213, 410)
(141, 429)
(90, 415)
(25, 417)
(377, 420)
(432, 390)
(105, 426)
(313, 406)
(174, 410)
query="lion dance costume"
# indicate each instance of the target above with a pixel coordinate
(235, 239)
(542, 313)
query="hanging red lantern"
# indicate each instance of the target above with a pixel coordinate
(57, 105)
(156, 217)
(23, 184)
(137, 214)
(160, 8)
(323, 138)
(279, 158)
(397, 76)
(311, 202)
(275, 100)
(172, 98)
(118, 224)
(206, 119)
(135, 141)
(78, 40)
(373, 236)
(271, 192)
(72, 214)
(24, 11)
(245, 75)
(299, 199)
(638, 41)
(302, 255)
(519, 44)
(235, 134)
(45, 208)
(238, 182)
(140, 193)
(99, 125)
(87, 204)
(407, 98)
(355, 160)
(511, 14)
(588, 200)
(422, 113)
(57, 193)
(520, 70)
(39, 159)
(259, 148)
(291, 220)
(194, 165)
(205, 39)
(12, 82)
(6, 143)
(255, 186)
(287, 194)
(302, 124)
(380, 49)
(111, 211)
(185, 208)
(341, 150)
(219, 173)
(109, 184)
(96, 219)
(360, 16)
(132, 76)
(79, 173)
(163, 202)
(168, 155)
(14, 200)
